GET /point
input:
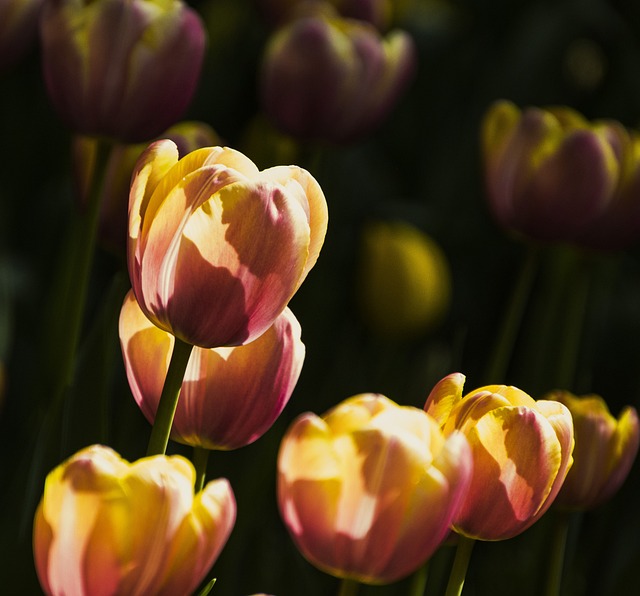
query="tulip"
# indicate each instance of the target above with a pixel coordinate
(216, 247)
(550, 174)
(230, 396)
(18, 29)
(521, 454)
(107, 526)
(325, 78)
(405, 283)
(368, 490)
(605, 450)
(113, 224)
(619, 226)
(124, 69)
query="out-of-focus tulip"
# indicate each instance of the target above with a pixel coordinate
(379, 13)
(230, 396)
(18, 28)
(605, 450)
(404, 282)
(521, 454)
(550, 174)
(330, 79)
(369, 490)
(112, 230)
(107, 526)
(216, 247)
(124, 69)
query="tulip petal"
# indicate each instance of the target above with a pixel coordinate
(444, 396)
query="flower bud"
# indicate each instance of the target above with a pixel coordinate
(330, 79)
(107, 526)
(605, 450)
(124, 69)
(549, 173)
(230, 396)
(216, 247)
(521, 454)
(369, 490)
(404, 282)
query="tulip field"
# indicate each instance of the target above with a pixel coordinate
(321, 297)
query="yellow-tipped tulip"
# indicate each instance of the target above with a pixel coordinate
(521, 454)
(369, 490)
(107, 526)
(606, 448)
(216, 247)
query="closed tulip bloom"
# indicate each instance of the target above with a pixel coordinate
(368, 491)
(230, 396)
(550, 174)
(330, 79)
(606, 448)
(216, 247)
(618, 227)
(124, 69)
(107, 526)
(18, 28)
(521, 454)
(404, 280)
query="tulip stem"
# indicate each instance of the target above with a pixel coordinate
(200, 459)
(419, 580)
(71, 293)
(512, 320)
(169, 398)
(460, 565)
(558, 550)
(348, 587)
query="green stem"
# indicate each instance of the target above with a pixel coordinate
(73, 294)
(200, 459)
(512, 320)
(348, 587)
(419, 581)
(574, 314)
(460, 565)
(558, 549)
(169, 398)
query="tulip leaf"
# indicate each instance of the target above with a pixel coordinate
(207, 588)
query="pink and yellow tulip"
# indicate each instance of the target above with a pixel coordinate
(325, 78)
(606, 448)
(230, 396)
(107, 526)
(550, 174)
(216, 247)
(521, 453)
(369, 490)
(123, 69)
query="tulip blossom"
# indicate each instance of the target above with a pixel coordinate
(18, 28)
(113, 225)
(330, 79)
(404, 280)
(230, 396)
(216, 247)
(107, 526)
(521, 454)
(124, 69)
(605, 450)
(368, 490)
(549, 173)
